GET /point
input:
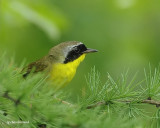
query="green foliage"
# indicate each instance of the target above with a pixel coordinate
(21, 12)
(112, 104)
(153, 82)
(124, 31)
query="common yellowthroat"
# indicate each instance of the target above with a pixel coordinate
(61, 62)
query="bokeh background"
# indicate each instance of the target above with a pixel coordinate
(126, 33)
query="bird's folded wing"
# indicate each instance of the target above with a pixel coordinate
(34, 67)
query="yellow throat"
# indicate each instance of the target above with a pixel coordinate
(61, 74)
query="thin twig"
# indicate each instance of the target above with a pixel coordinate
(101, 103)
(64, 102)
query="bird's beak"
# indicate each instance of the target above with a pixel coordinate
(89, 50)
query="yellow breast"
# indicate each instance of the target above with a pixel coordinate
(61, 74)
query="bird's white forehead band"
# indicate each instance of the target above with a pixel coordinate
(70, 47)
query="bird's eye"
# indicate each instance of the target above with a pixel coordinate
(76, 50)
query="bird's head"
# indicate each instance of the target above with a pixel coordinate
(69, 51)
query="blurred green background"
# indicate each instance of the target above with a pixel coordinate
(126, 32)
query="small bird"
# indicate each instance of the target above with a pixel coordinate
(61, 62)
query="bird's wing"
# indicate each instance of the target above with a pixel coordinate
(34, 67)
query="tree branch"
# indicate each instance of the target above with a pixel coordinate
(152, 102)
(10, 98)
(102, 103)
